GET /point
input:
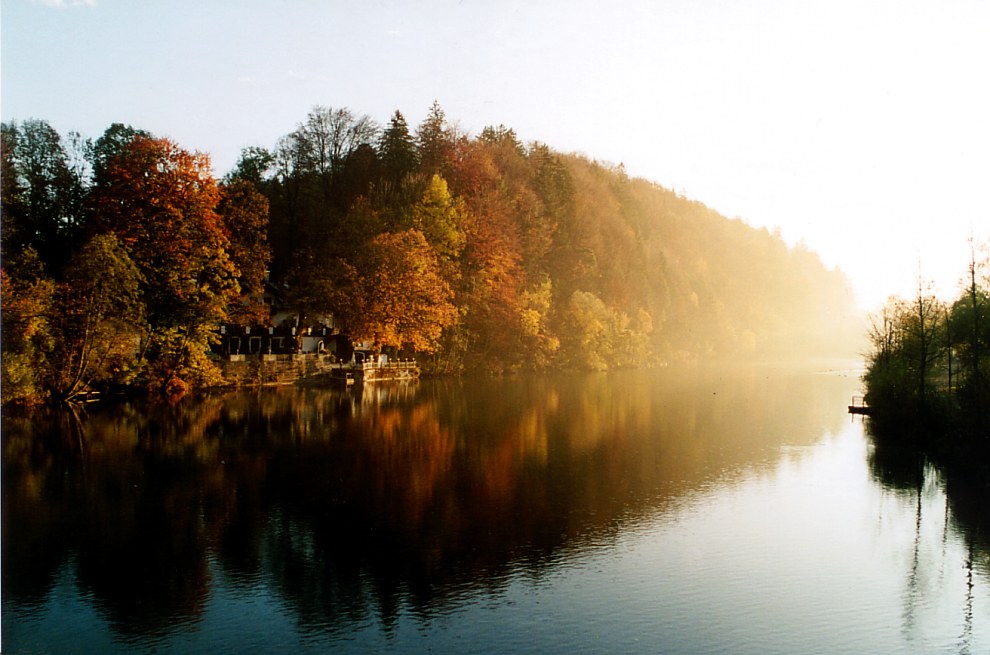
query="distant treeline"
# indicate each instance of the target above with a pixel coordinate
(928, 373)
(122, 255)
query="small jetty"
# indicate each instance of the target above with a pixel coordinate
(858, 406)
(351, 373)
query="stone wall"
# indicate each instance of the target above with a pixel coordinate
(255, 370)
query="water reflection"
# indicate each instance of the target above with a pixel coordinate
(947, 506)
(358, 506)
(910, 475)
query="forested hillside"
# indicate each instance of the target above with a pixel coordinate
(122, 255)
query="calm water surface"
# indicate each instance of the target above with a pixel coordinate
(673, 511)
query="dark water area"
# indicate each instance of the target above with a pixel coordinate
(679, 510)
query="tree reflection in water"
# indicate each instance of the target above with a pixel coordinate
(358, 505)
(943, 501)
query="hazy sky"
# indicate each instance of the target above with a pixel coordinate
(861, 127)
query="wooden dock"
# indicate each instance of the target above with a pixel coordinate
(360, 373)
(858, 406)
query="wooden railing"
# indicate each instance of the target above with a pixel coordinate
(407, 364)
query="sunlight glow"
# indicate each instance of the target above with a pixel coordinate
(858, 128)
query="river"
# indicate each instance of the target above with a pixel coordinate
(681, 510)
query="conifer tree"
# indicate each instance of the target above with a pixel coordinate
(435, 141)
(397, 150)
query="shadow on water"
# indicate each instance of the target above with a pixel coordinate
(352, 506)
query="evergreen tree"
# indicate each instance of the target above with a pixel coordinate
(397, 150)
(435, 141)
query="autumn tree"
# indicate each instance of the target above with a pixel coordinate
(594, 336)
(394, 294)
(160, 201)
(492, 278)
(476, 172)
(27, 297)
(114, 140)
(553, 188)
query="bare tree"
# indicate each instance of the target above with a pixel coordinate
(922, 324)
(976, 306)
(329, 136)
(883, 331)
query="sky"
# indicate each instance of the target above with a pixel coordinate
(861, 128)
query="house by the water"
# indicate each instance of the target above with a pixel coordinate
(288, 351)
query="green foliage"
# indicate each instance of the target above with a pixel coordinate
(590, 329)
(925, 379)
(255, 165)
(441, 219)
(597, 337)
(539, 343)
(969, 327)
(177, 360)
(42, 204)
(97, 320)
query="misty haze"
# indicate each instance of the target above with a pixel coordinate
(508, 327)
